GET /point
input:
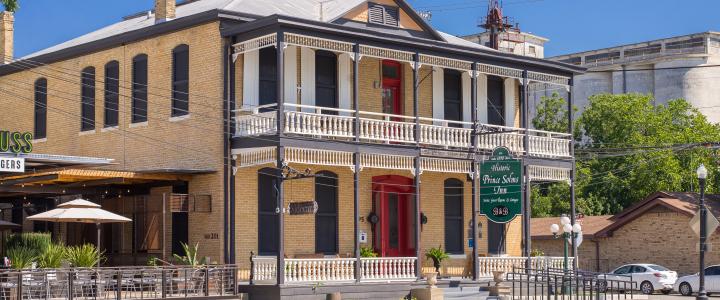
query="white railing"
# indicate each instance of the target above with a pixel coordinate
(301, 270)
(487, 265)
(374, 127)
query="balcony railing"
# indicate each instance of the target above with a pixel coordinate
(322, 122)
(264, 269)
(487, 265)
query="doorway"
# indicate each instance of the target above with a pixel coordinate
(392, 87)
(393, 204)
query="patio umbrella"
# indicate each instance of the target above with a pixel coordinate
(5, 225)
(80, 211)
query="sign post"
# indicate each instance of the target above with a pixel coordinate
(501, 186)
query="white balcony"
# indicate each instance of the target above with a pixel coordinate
(488, 265)
(332, 123)
(311, 270)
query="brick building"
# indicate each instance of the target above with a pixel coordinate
(655, 230)
(207, 109)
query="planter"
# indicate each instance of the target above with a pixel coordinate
(431, 279)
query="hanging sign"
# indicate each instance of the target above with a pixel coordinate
(12, 164)
(500, 186)
(303, 208)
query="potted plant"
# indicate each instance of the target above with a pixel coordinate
(21, 257)
(367, 252)
(84, 256)
(437, 255)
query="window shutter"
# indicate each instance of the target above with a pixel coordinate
(438, 81)
(466, 91)
(290, 76)
(251, 79)
(482, 99)
(510, 89)
(392, 16)
(307, 74)
(345, 65)
(376, 14)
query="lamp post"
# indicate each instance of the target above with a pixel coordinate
(702, 176)
(569, 231)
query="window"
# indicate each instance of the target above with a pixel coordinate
(326, 79)
(87, 106)
(268, 230)
(139, 89)
(622, 270)
(112, 96)
(383, 14)
(40, 131)
(326, 219)
(268, 76)
(454, 216)
(453, 96)
(496, 101)
(180, 81)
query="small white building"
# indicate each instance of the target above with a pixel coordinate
(520, 43)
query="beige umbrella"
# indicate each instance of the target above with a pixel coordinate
(80, 211)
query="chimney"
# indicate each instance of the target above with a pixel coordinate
(6, 36)
(164, 10)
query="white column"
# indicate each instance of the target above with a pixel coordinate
(466, 90)
(307, 75)
(510, 91)
(251, 79)
(345, 82)
(438, 81)
(291, 74)
(482, 100)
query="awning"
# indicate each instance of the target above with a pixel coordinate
(37, 162)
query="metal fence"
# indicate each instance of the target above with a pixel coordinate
(557, 284)
(212, 281)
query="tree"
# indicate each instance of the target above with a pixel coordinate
(10, 5)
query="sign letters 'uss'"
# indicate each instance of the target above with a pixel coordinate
(500, 186)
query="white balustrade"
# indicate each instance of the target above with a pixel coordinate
(445, 136)
(486, 265)
(319, 270)
(264, 268)
(388, 268)
(387, 130)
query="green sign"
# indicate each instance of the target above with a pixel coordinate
(500, 186)
(16, 142)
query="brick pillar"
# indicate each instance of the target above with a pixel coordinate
(6, 36)
(164, 10)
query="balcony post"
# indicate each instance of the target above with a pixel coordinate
(474, 168)
(280, 159)
(356, 92)
(416, 100)
(356, 160)
(280, 52)
(416, 181)
(526, 184)
(571, 129)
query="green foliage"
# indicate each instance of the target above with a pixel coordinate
(152, 261)
(52, 256)
(21, 257)
(367, 252)
(191, 257)
(625, 153)
(552, 114)
(84, 256)
(436, 254)
(34, 242)
(536, 253)
(10, 5)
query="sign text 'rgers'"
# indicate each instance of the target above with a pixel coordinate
(500, 186)
(16, 142)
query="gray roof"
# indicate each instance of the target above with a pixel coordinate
(305, 9)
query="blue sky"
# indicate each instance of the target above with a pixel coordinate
(571, 25)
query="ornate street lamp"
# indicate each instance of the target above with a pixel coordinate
(702, 176)
(569, 232)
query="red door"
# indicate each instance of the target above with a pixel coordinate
(391, 87)
(393, 203)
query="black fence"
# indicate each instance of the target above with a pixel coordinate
(557, 284)
(212, 281)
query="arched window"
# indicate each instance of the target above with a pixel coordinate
(40, 129)
(326, 77)
(180, 81)
(268, 75)
(87, 106)
(454, 216)
(268, 229)
(112, 96)
(326, 219)
(139, 103)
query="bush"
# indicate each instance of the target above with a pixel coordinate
(85, 256)
(367, 252)
(21, 257)
(52, 256)
(29, 241)
(190, 257)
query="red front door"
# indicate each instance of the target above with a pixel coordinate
(393, 203)
(391, 87)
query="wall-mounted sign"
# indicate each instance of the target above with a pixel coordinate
(500, 186)
(12, 164)
(303, 208)
(16, 142)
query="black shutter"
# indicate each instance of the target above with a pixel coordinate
(326, 219)
(139, 89)
(268, 229)
(40, 131)
(112, 90)
(453, 95)
(326, 79)
(392, 16)
(87, 106)
(180, 81)
(268, 76)
(383, 14)
(454, 216)
(496, 100)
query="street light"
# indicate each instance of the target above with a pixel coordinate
(569, 231)
(702, 176)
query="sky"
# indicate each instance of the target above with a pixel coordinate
(571, 25)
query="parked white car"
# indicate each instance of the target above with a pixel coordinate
(687, 285)
(645, 277)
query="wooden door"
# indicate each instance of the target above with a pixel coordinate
(396, 210)
(392, 87)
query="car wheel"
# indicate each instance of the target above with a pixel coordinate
(602, 286)
(685, 289)
(666, 292)
(646, 287)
